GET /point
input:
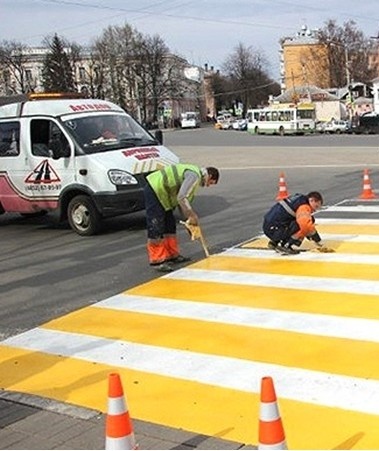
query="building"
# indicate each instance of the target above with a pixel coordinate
(93, 79)
(327, 106)
(304, 61)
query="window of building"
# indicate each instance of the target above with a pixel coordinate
(82, 73)
(28, 75)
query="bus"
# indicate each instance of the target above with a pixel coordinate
(190, 119)
(282, 120)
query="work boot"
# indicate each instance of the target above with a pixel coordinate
(164, 267)
(272, 245)
(286, 249)
(180, 259)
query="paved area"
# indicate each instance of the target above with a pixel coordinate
(31, 422)
(328, 301)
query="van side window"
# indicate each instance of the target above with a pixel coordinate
(48, 140)
(58, 142)
(9, 139)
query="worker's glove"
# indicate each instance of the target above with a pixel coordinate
(193, 230)
(324, 249)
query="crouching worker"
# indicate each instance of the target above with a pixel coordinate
(166, 189)
(290, 220)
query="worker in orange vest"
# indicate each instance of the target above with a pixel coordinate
(290, 220)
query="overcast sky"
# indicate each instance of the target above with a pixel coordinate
(202, 31)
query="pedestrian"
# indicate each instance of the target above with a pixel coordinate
(290, 220)
(171, 187)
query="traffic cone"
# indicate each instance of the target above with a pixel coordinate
(119, 429)
(367, 192)
(282, 193)
(271, 432)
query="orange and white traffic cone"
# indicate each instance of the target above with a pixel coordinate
(367, 192)
(119, 429)
(282, 193)
(271, 432)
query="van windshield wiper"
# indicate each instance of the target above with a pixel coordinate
(138, 141)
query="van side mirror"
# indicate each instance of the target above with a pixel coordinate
(159, 136)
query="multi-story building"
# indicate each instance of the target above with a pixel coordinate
(304, 61)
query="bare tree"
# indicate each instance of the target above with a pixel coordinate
(13, 59)
(138, 71)
(348, 53)
(115, 50)
(161, 74)
(246, 69)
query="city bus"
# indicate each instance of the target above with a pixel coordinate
(282, 120)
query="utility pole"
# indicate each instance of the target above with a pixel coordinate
(347, 66)
(348, 82)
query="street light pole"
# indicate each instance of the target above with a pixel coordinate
(347, 66)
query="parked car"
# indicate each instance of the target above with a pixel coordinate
(335, 126)
(224, 122)
(240, 124)
(320, 126)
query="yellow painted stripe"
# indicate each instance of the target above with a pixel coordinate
(351, 305)
(248, 343)
(362, 229)
(185, 404)
(289, 267)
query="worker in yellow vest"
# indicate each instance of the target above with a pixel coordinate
(171, 187)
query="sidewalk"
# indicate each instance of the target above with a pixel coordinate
(31, 422)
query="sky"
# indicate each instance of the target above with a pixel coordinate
(201, 31)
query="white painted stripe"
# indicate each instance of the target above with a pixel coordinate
(303, 256)
(121, 443)
(299, 384)
(326, 284)
(354, 208)
(277, 446)
(347, 221)
(304, 323)
(269, 411)
(350, 238)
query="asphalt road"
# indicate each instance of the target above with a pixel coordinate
(46, 270)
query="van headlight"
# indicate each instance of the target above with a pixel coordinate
(118, 177)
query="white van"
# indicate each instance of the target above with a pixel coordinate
(85, 158)
(190, 119)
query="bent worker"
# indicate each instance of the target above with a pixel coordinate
(290, 220)
(166, 189)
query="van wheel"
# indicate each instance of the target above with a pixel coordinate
(256, 130)
(281, 131)
(83, 216)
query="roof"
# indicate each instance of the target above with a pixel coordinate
(304, 92)
(16, 98)
(363, 100)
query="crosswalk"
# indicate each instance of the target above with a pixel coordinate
(193, 345)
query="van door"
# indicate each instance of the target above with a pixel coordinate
(11, 167)
(50, 164)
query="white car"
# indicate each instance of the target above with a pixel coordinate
(335, 126)
(224, 122)
(240, 124)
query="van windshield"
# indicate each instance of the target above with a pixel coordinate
(105, 132)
